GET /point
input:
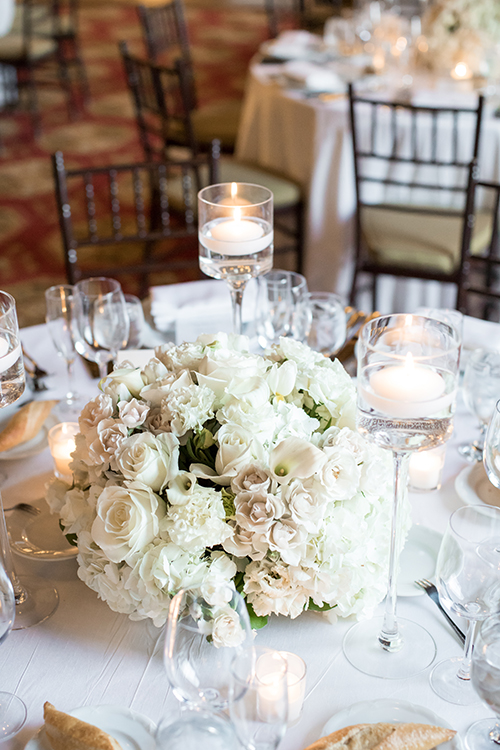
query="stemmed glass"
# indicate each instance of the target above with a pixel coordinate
(259, 697)
(279, 306)
(469, 586)
(35, 599)
(12, 708)
(235, 236)
(101, 323)
(59, 317)
(481, 388)
(407, 381)
(135, 314)
(485, 675)
(491, 451)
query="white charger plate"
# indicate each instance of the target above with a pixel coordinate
(38, 537)
(473, 486)
(418, 559)
(132, 730)
(371, 712)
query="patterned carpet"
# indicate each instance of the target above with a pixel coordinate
(223, 40)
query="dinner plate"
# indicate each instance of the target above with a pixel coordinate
(473, 486)
(418, 559)
(38, 536)
(132, 730)
(370, 712)
(27, 449)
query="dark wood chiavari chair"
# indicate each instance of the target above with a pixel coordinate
(402, 155)
(299, 14)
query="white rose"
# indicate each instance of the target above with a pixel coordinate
(130, 378)
(101, 407)
(253, 478)
(227, 630)
(133, 413)
(219, 367)
(253, 391)
(287, 538)
(149, 459)
(153, 371)
(128, 518)
(261, 422)
(307, 503)
(236, 448)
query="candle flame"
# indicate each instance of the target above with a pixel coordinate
(234, 189)
(408, 320)
(237, 214)
(409, 363)
(461, 69)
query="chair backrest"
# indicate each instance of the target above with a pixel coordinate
(479, 289)
(298, 14)
(162, 104)
(33, 19)
(132, 206)
(412, 155)
(65, 13)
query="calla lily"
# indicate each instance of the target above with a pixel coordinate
(295, 458)
(281, 378)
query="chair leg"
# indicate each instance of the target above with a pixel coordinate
(374, 292)
(34, 110)
(65, 80)
(81, 71)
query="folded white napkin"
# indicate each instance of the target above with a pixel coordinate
(197, 307)
(480, 334)
(291, 45)
(312, 77)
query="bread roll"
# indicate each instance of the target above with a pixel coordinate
(384, 737)
(65, 732)
(25, 424)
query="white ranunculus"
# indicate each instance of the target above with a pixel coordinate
(128, 518)
(100, 407)
(252, 478)
(131, 378)
(133, 413)
(226, 629)
(149, 459)
(306, 503)
(295, 458)
(104, 440)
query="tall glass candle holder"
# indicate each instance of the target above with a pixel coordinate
(235, 236)
(407, 383)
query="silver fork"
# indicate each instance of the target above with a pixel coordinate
(432, 591)
(26, 507)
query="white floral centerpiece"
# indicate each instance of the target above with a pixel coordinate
(463, 31)
(213, 465)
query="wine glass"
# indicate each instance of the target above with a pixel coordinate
(279, 301)
(100, 320)
(485, 676)
(36, 600)
(235, 236)
(202, 635)
(491, 451)
(259, 697)
(325, 321)
(481, 388)
(59, 317)
(469, 586)
(12, 708)
(407, 382)
(135, 314)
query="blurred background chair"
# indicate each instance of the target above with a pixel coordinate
(479, 292)
(116, 220)
(161, 100)
(412, 166)
(299, 14)
(166, 39)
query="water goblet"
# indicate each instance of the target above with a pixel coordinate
(481, 388)
(59, 319)
(101, 322)
(202, 635)
(259, 697)
(12, 708)
(135, 313)
(280, 295)
(407, 382)
(469, 586)
(235, 236)
(485, 676)
(35, 599)
(325, 322)
(491, 452)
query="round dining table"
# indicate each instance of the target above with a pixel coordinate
(88, 655)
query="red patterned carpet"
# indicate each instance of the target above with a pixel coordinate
(223, 41)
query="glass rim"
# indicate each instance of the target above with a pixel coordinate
(201, 197)
(455, 342)
(254, 653)
(11, 301)
(79, 291)
(58, 287)
(485, 510)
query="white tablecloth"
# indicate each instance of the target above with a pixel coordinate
(309, 141)
(88, 655)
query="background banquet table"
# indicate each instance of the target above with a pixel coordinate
(307, 138)
(88, 655)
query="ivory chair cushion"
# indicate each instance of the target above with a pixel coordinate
(420, 240)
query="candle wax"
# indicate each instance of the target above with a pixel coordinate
(236, 231)
(412, 384)
(425, 468)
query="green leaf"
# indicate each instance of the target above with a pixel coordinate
(256, 622)
(316, 608)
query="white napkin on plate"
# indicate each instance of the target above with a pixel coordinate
(197, 307)
(312, 77)
(291, 45)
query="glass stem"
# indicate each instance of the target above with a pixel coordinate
(464, 671)
(5, 551)
(103, 370)
(237, 288)
(389, 637)
(71, 384)
(495, 732)
(479, 443)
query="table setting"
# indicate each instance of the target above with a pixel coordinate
(200, 552)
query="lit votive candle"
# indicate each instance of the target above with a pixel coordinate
(270, 672)
(461, 72)
(296, 682)
(426, 468)
(62, 445)
(235, 199)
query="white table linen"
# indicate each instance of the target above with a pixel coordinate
(308, 140)
(88, 655)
